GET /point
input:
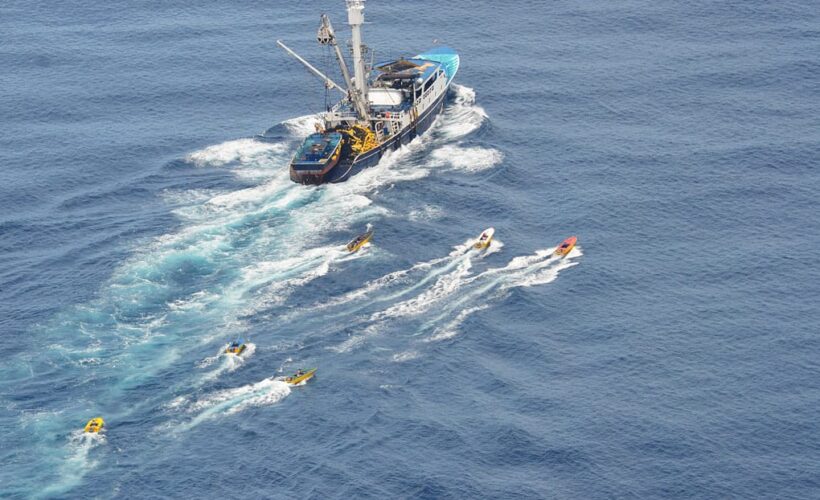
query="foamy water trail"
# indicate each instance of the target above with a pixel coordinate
(455, 295)
(492, 285)
(295, 217)
(402, 357)
(466, 159)
(496, 246)
(463, 116)
(444, 274)
(228, 402)
(401, 277)
(356, 340)
(266, 283)
(242, 151)
(77, 463)
(444, 286)
(450, 329)
(226, 362)
(238, 252)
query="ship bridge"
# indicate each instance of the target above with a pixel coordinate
(396, 84)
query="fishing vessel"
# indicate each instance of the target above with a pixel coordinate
(383, 105)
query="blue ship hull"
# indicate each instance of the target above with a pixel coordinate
(345, 169)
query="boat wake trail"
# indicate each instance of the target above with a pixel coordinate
(444, 286)
(460, 255)
(77, 462)
(227, 402)
(235, 258)
(453, 293)
(493, 285)
(226, 362)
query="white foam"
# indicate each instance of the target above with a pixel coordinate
(258, 173)
(230, 401)
(194, 302)
(252, 196)
(365, 290)
(244, 151)
(281, 278)
(77, 463)
(405, 356)
(177, 403)
(357, 340)
(450, 330)
(390, 170)
(399, 277)
(495, 246)
(444, 286)
(541, 275)
(466, 159)
(427, 213)
(463, 116)
(540, 257)
(541, 267)
(302, 125)
(176, 197)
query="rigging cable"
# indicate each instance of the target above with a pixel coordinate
(326, 58)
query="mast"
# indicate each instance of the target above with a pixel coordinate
(355, 18)
(327, 36)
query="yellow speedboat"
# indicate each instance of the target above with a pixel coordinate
(235, 347)
(485, 239)
(300, 376)
(359, 241)
(95, 425)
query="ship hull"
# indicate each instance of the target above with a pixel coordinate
(344, 170)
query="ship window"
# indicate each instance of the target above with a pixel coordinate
(430, 82)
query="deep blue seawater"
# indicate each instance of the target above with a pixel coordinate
(146, 219)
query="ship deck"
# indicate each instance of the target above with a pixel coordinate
(316, 150)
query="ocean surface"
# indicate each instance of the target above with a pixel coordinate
(147, 219)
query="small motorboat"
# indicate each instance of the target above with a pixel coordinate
(485, 239)
(94, 425)
(236, 347)
(359, 241)
(300, 376)
(566, 246)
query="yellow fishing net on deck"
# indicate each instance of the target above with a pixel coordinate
(361, 139)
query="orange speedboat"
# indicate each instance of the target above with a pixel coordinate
(566, 246)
